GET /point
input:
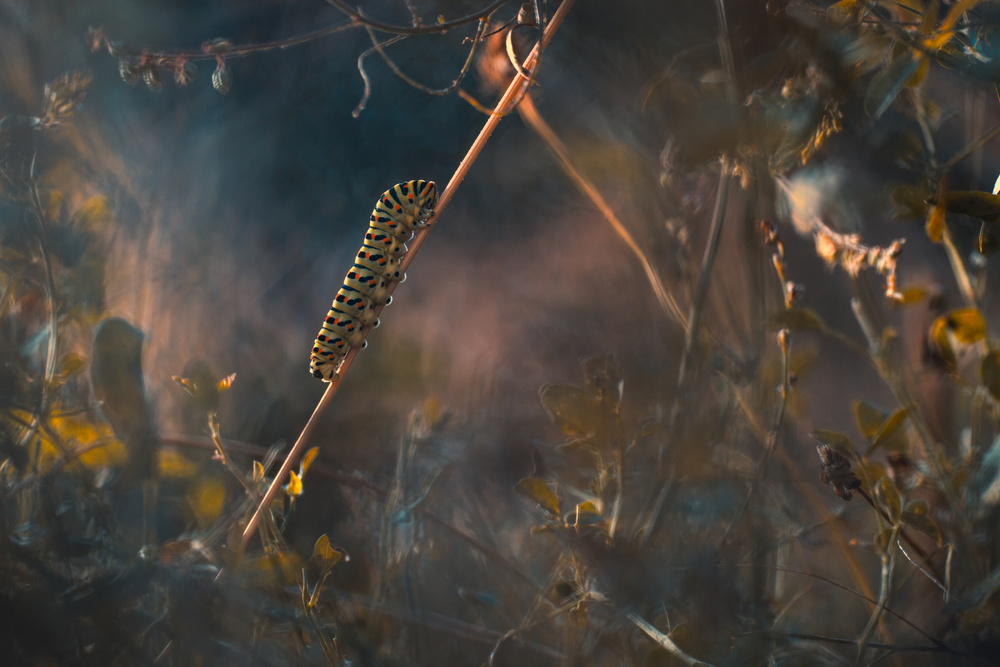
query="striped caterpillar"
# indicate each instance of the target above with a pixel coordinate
(400, 210)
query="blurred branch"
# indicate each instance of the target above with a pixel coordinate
(529, 113)
(705, 275)
(663, 640)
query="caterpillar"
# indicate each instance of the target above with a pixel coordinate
(400, 210)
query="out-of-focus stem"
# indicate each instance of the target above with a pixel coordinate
(958, 268)
(529, 113)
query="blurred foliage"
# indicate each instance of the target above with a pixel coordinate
(672, 509)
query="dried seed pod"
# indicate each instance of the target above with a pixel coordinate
(184, 73)
(836, 470)
(222, 78)
(526, 15)
(128, 72)
(151, 77)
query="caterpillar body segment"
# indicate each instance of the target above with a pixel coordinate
(341, 329)
(400, 211)
(386, 242)
(373, 285)
(379, 262)
(355, 304)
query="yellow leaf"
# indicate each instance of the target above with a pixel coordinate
(966, 325)
(935, 223)
(226, 382)
(71, 363)
(294, 486)
(278, 569)
(53, 205)
(326, 554)
(95, 214)
(206, 500)
(307, 460)
(911, 295)
(843, 11)
(955, 331)
(188, 384)
(538, 491)
(108, 455)
(173, 464)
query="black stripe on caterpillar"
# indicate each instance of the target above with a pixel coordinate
(400, 210)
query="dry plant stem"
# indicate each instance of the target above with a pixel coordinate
(359, 19)
(885, 588)
(926, 635)
(513, 91)
(814, 501)
(48, 287)
(663, 640)
(529, 113)
(701, 289)
(896, 384)
(958, 268)
(771, 440)
(973, 146)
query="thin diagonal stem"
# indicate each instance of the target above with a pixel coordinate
(514, 91)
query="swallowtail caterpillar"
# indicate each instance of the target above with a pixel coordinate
(400, 210)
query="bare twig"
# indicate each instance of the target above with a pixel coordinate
(359, 19)
(377, 47)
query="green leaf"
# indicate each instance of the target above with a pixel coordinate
(989, 373)
(888, 496)
(839, 442)
(537, 490)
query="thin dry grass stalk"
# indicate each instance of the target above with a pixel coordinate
(514, 91)
(529, 113)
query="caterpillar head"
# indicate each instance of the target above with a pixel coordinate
(426, 197)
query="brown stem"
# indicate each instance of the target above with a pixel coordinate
(513, 91)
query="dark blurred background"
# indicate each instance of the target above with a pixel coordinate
(237, 215)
